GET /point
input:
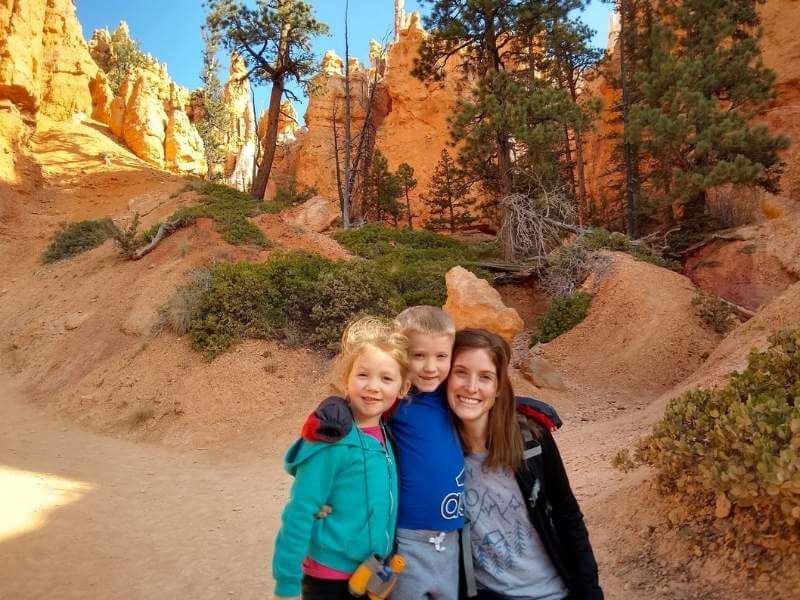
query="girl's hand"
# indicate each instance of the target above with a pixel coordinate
(323, 512)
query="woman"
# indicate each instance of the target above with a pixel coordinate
(526, 530)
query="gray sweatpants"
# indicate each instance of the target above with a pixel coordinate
(430, 573)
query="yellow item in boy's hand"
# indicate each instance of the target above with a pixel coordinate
(376, 578)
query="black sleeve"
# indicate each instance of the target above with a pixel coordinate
(330, 421)
(570, 526)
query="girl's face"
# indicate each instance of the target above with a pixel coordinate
(472, 386)
(373, 385)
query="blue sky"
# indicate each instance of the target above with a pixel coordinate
(170, 30)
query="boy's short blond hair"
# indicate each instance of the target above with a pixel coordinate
(427, 320)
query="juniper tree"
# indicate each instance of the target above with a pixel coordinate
(699, 92)
(381, 191)
(274, 38)
(448, 197)
(405, 175)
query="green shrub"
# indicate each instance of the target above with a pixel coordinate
(371, 241)
(601, 239)
(296, 297)
(228, 207)
(714, 312)
(290, 193)
(562, 314)
(75, 238)
(741, 440)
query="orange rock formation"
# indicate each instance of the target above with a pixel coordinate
(409, 116)
(45, 66)
(148, 113)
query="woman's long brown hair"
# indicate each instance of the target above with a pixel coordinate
(503, 441)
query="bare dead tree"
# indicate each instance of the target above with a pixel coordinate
(536, 224)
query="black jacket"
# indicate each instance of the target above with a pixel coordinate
(554, 513)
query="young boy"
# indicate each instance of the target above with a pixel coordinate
(429, 459)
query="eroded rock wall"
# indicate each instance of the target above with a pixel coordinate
(148, 113)
(409, 118)
(45, 66)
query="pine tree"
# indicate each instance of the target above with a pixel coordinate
(448, 197)
(405, 174)
(699, 92)
(274, 38)
(216, 119)
(510, 128)
(381, 191)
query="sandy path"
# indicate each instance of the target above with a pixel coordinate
(118, 519)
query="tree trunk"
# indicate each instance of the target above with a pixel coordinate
(408, 207)
(581, 178)
(347, 133)
(630, 174)
(271, 138)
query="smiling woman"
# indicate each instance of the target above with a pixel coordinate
(524, 525)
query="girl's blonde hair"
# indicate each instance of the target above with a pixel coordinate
(370, 332)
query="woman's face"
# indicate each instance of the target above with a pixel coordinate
(472, 386)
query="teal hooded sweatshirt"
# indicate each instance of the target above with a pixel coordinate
(357, 477)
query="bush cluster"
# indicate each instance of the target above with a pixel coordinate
(602, 239)
(306, 299)
(229, 208)
(297, 297)
(741, 440)
(715, 313)
(75, 238)
(562, 314)
(371, 241)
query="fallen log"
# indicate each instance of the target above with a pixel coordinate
(164, 229)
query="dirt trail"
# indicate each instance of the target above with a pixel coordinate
(150, 522)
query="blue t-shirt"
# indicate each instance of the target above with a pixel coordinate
(430, 463)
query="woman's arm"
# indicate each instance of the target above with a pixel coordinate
(311, 489)
(569, 523)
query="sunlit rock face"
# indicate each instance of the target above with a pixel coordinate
(409, 117)
(45, 66)
(241, 139)
(148, 113)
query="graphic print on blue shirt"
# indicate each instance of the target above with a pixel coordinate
(430, 464)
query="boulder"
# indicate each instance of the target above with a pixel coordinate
(543, 374)
(316, 214)
(473, 302)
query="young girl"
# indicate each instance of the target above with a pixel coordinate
(357, 474)
(526, 530)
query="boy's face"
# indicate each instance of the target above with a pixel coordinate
(430, 356)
